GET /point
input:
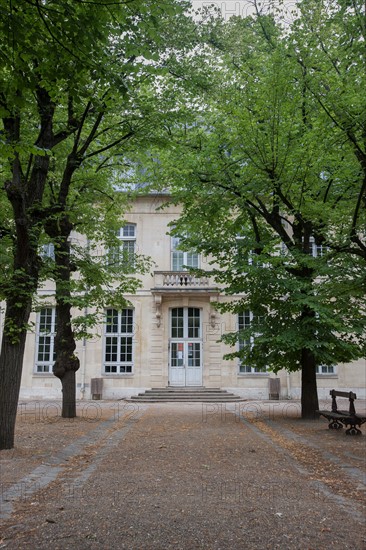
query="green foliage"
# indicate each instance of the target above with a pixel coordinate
(73, 98)
(269, 165)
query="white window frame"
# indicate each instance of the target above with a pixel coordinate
(114, 362)
(45, 338)
(246, 369)
(180, 260)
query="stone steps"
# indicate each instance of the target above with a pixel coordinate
(187, 394)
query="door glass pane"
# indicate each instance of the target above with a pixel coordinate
(193, 322)
(177, 322)
(194, 354)
(177, 359)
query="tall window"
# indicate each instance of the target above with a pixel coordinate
(118, 347)
(245, 320)
(182, 260)
(45, 337)
(123, 255)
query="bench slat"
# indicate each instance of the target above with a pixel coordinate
(348, 394)
(338, 414)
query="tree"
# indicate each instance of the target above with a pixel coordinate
(57, 87)
(102, 141)
(328, 43)
(83, 279)
(254, 166)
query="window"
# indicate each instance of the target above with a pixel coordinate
(325, 369)
(181, 259)
(45, 336)
(245, 319)
(118, 347)
(124, 254)
(316, 250)
(47, 251)
(186, 322)
(253, 260)
(246, 255)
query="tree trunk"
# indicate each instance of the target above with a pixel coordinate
(309, 392)
(67, 363)
(11, 364)
(25, 194)
(68, 382)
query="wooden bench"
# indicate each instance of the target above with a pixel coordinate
(348, 418)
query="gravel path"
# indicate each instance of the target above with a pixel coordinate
(191, 476)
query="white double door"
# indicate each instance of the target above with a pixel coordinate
(185, 368)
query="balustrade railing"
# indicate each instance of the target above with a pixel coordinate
(179, 279)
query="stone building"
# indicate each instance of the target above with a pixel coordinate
(169, 336)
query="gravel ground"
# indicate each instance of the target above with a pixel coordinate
(181, 476)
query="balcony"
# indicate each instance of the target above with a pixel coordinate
(181, 281)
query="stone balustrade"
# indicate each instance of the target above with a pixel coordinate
(180, 279)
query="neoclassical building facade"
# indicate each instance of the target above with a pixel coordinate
(168, 336)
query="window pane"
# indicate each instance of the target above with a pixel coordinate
(114, 256)
(244, 320)
(126, 349)
(112, 320)
(48, 251)
(177, 323)
(129, 230)
(111, 349)
(110, 368)
(194, 354)
(177, 261)
(45, 320)
(44, 368)
(244, 368)
(128, 250)
(325, 369)
(191, 260)
(193, 322)
(127, 321)
(177, 351)
(175, 243)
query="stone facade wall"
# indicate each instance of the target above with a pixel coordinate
(152, 307)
